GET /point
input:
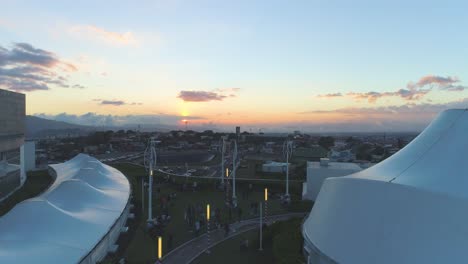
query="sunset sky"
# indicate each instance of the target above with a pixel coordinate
(271, 65)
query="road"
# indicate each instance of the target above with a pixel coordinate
(189, 251)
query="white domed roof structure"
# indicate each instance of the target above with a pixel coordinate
(410, 208)
(76, 220)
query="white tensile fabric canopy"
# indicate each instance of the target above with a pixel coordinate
(411, 208)
(66, 222)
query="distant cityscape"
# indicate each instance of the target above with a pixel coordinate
(186, 160)
(233, 132)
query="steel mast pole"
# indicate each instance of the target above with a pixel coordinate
(261, 227)
(287, 149)
(234, 161)
(222, 159)
(150, 162)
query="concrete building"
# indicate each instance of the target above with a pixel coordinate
(410, 208)
(12, 129)
(317, 172)
(342, 155)
(12, 116)
(274, 167)
(28, 156)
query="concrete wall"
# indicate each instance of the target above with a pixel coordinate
(9, 183)
(28, 158)
(317, 175)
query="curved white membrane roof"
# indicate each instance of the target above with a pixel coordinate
(66, 222)
(411, 208)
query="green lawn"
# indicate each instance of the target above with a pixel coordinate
(36, 183)
(142, 247)
(282, 243)
(230, 252)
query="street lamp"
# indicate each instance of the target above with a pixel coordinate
(234, 163)
(208, 227)
(287, 151)
(223, 149)
(150, 159)
(266, 204)
(159, 248)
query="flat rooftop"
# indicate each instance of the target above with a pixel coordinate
(334, 166)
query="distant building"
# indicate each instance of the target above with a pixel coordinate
(274, 167)
(28, 155)
(317, 172)
(237, 132)
(268, 147)
(255, 162)
(314, 153)
(342, 156)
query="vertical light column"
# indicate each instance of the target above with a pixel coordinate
(159, 248)
(208, 212)
(266, 205)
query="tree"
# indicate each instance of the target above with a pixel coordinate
(99, 137)
(379, 150)
(363, 152)
(400, 143)
(326, 142)
(208, 133)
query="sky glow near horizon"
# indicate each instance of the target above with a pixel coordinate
(270, 65)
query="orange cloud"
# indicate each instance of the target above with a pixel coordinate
(412, 92)
(113, 38)
(330, 95)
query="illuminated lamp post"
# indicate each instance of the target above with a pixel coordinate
(287, 151)
(208, 228)
(234, 161)
(150, 159)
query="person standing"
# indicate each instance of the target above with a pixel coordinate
(197, 227)
(226, 229)
(169, 242)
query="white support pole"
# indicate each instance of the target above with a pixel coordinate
(234, 161)
(222, 159)
(142, 195)
(287, 150)
(150, 192)
(150, 156)
(261, 228)
(287, 173)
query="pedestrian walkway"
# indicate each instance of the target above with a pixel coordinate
(190, 250)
